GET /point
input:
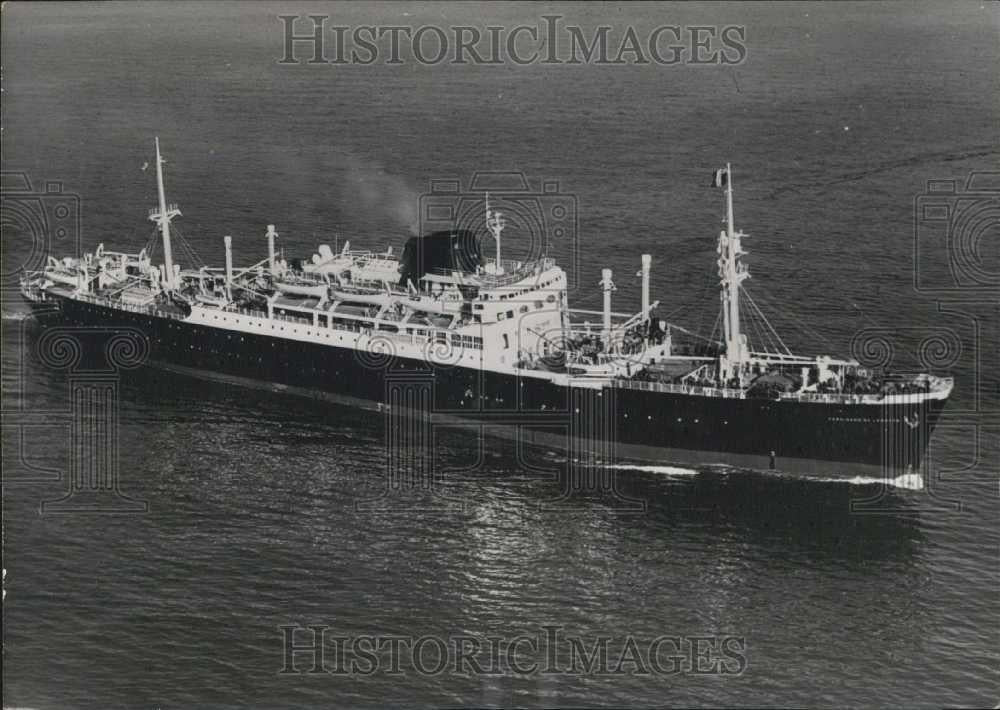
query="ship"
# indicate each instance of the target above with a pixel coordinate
(494, 342)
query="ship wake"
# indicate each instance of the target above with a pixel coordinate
(661, 470)
(906, 481)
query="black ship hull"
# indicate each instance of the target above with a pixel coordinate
(605, 423)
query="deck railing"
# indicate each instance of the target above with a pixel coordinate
(128, 307)
(514, 271)
(404, 338)
(817, 397)
(696, 390)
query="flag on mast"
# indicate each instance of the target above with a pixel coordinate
(720, 178)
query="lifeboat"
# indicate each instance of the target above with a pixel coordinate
(62, 277)
(62, 272)
(301, 287)
(209, 300)
(370, 296)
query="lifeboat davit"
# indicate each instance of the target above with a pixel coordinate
(211, 300)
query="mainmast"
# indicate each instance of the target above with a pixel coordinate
(732, 273)
(162, 216)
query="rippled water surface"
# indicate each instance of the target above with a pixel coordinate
(846, 593)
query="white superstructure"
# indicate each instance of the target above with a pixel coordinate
(500, 315)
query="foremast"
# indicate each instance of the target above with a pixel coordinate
(162, 216)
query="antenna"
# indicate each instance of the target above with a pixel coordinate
(162, 216)
(495, 222)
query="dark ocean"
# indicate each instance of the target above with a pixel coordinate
(845, 593)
